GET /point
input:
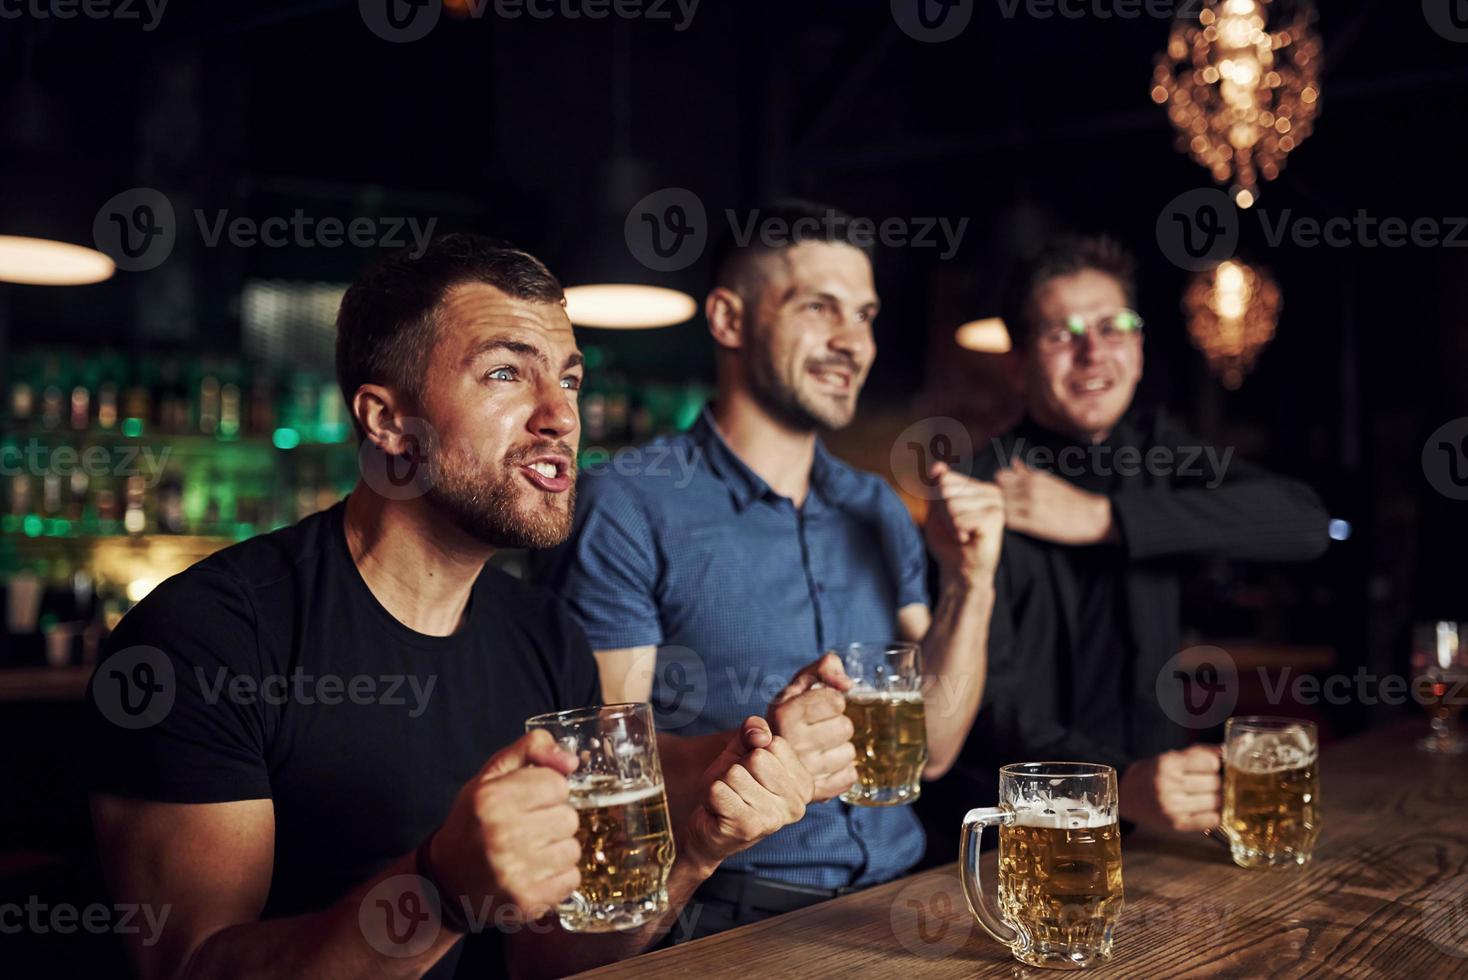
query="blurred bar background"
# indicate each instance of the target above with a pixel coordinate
(151, 418)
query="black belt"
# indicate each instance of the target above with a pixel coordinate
(750, 892)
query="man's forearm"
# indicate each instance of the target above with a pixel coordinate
(550, 951)
(955, 653)
(376, 931)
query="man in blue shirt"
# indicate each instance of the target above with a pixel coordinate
(716, 565)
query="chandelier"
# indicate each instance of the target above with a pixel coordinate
(1232, 310)
(1241, 96)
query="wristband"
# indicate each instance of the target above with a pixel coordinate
(450, 912)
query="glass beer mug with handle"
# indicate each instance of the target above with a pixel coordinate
(888, 721)
(625, 836)
(1271, 790)
(1060, 890)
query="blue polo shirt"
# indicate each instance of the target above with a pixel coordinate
(679, 544)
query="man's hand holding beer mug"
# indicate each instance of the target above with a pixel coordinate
(573, 819)
(1175, 791)
(510, 839)
(810, 714)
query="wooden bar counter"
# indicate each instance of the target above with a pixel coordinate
(1385, 896)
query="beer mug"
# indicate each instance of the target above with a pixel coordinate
(1059, 875)
(625, 836)
(1271, 790)
(890, 734)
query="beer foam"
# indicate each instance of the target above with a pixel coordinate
(584, 800)
(868, 695)
(1266, 752)
(1061, 813)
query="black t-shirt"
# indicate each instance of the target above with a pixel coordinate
(285, 679)
(1101, 658)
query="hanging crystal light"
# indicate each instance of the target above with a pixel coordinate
(1232, 310)
(1240, 95)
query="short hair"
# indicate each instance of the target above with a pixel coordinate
(1062, 255)
(776, 227)
(387, 323)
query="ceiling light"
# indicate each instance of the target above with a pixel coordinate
(628, 306)
(43, 262)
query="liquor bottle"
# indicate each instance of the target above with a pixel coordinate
(208, 399)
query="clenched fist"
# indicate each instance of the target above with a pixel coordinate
(965, 526)
(755, 787)
(1175, 790)
(511, 835)
(810, 714)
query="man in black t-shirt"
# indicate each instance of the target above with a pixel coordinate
(310, 750)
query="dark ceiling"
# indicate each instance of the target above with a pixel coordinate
(509, 126)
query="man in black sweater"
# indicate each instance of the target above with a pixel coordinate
(1103, 504)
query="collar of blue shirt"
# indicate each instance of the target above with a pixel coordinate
(827, 476)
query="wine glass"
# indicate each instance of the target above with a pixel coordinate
(1440, 682)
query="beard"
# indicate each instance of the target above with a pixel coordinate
(797, 409)
(500, 509)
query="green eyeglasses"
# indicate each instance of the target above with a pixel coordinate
(1109, 330)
